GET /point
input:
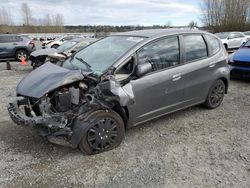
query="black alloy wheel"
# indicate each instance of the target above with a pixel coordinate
(216, 95)
(105, 132)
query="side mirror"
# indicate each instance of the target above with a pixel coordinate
(143, 68)
(73, 51)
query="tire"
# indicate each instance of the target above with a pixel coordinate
(106, 132)
(226, 47)
(215, 95)
(37, 64)
(55, 46)
(21, 53)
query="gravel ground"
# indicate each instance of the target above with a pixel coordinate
(191, 148)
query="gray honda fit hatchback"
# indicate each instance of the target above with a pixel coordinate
(121, 81)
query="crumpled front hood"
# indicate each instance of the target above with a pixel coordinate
(45, 79)
(243, 54)
(46, 51)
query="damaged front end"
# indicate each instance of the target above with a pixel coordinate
(52, 99)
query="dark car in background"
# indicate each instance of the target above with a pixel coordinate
(15, 46)
(121, 81)
(53, 55)
(239, 62)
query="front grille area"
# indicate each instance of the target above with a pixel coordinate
(241, 64)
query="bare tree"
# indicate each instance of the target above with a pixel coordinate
(5, 17)
(27, 17)
(59, 21)
(168, 24)
(192, 24)
(225, 15)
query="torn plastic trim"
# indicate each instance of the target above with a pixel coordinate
(112, 87)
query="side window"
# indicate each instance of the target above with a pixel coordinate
(195, 47)
(232, 36)
(213, 43)
(18, 39)
(161, 54)
(2, 40)
(239, 35)
(6, 39)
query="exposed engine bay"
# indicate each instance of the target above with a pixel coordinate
(54, 113)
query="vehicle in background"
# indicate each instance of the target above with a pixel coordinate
(247, 33)
(15, 46)
(53, 55)
(57, 42)
(232, 40)
(239, 62)
(61, 56)
(121, 81)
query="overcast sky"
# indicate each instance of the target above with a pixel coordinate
(110, 12)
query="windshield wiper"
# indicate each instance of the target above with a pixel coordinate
(84, 62)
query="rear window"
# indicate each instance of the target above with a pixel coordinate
(195, 47)
(213, 43)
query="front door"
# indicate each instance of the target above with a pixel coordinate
(162, 90)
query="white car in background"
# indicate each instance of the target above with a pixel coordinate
(57, 42)
(232, 40)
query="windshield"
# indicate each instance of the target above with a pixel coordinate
(222, 35)
(67, 45)
(100, 55)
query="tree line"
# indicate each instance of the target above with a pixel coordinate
(30, 24)
(226, 15)
(217, 16)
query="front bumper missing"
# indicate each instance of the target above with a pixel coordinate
(59, 135)
(19, 117)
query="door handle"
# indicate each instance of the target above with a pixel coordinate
(176, 77)
(211, 65)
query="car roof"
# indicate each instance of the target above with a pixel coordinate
(158, 32)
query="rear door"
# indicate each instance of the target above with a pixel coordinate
(240, 38)
(232, 40)
(6, 46)
(162, 90)
(200, 66)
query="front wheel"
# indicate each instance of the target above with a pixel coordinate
(21, 54)
(216, 95)
(106, 131)
(55, 46)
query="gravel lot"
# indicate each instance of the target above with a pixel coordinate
(191, 148)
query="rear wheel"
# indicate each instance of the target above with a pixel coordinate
(106, 131)
(226, 47)
(20, 54)
(216, 95)
(55, 46)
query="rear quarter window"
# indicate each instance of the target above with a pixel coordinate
(213, 43)
(195, 47)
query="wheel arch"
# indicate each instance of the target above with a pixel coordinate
(123, 112)
(21, 48)
(225, 82)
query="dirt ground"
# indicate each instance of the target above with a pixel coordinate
(195, 147)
